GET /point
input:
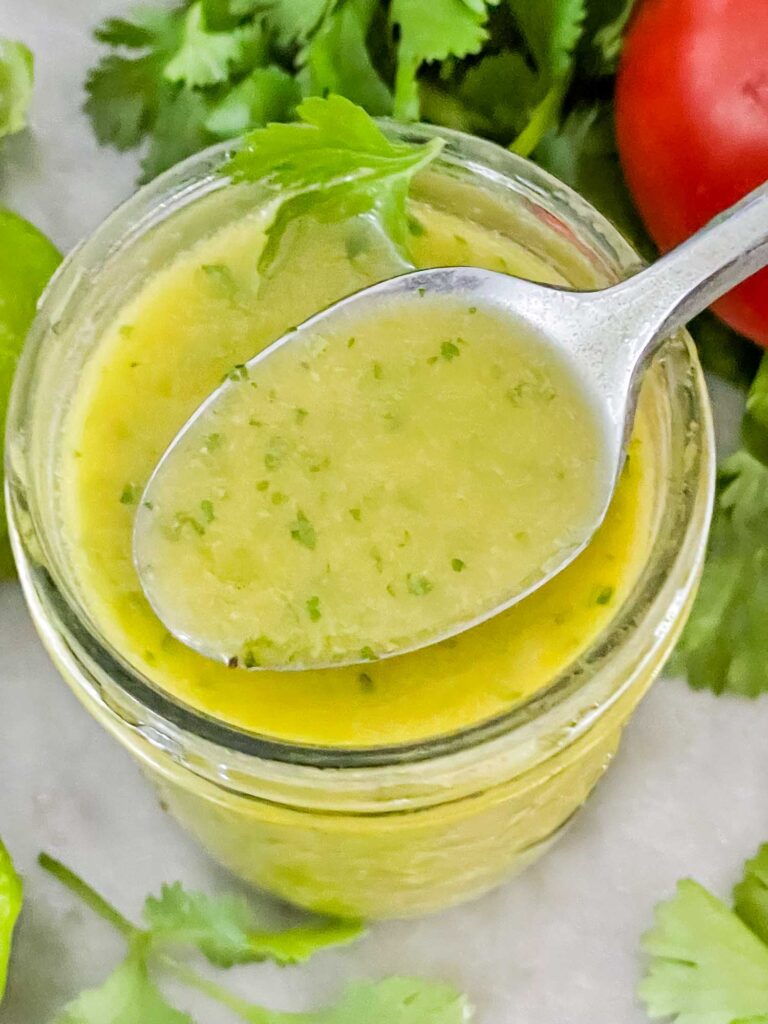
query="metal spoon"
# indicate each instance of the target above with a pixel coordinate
(608, 336)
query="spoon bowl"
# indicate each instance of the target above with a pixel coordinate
(602, 341)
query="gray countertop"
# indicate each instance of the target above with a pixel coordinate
(558, 945)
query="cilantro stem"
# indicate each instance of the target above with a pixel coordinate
(543, 117)
(248, 1011)
(89, 896)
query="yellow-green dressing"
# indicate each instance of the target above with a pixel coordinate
(370, 487)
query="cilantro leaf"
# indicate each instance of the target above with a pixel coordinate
(125, 93)
(180, 128)
(607, 41)
(292, 21)
(207, 58)
(391, 1001)
(128, 996)
(16, 78)
(432, 30)
(503, 89)
(27, 260)
(724, 646)
(336, 60)
(267, 94)
(335, 163)
(11, 895)
(222, 929)
(706, 966)
(551, 31)
(396, 1001)
(754, 428)
(750, 896)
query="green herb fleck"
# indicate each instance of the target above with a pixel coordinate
(356, 514)
(458, 565)
(378, 371)
(130, 494)
(148, 505)
(303, 531)
(182, 519)
(324, 463)
(415, 227)
(366, 682)
(253, 422)
(406, 539)
(125, 330)
(313, 608)
(431, 360)
(278, 498)
(367, 653)
(262, 485)
(206, 508)
(418, 584)
(351, 342)
(449, 350)
(301, 415)
(213, 442)
(238, 372)
(277, 449)
(422, 292)
(472, 309)
(604, 595)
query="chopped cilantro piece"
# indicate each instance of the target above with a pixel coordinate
(351, 342)
(206, 507)
(213, 442)
(182, 519)
(313, 608)
(367, 653)
(262, 485)
(130, 494)
(303, 531)
(301, 415)
(378, 371)
(276, 452)
(604, 595)
(458, 565)
(418, 584)
(278, 498)
(449, 350)
(238, 372)
(356, 514)
(366, 682)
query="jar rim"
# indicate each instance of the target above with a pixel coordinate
(664, 583)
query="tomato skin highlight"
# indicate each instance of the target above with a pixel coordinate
(692, 124)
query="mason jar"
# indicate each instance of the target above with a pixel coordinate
(369, 831)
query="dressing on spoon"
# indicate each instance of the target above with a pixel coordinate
(363, 547)
(370, 486)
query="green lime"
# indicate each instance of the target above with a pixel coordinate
(27, 260)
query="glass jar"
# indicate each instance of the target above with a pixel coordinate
(373, 832)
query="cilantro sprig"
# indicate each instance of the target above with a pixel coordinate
(724, 646)
(709, 964)
(223, 930)
(179, 78)
(333, 163)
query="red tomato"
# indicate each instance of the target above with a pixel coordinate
(692, 124)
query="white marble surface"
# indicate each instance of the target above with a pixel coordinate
(556, 946)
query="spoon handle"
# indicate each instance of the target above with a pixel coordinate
(726, 251)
